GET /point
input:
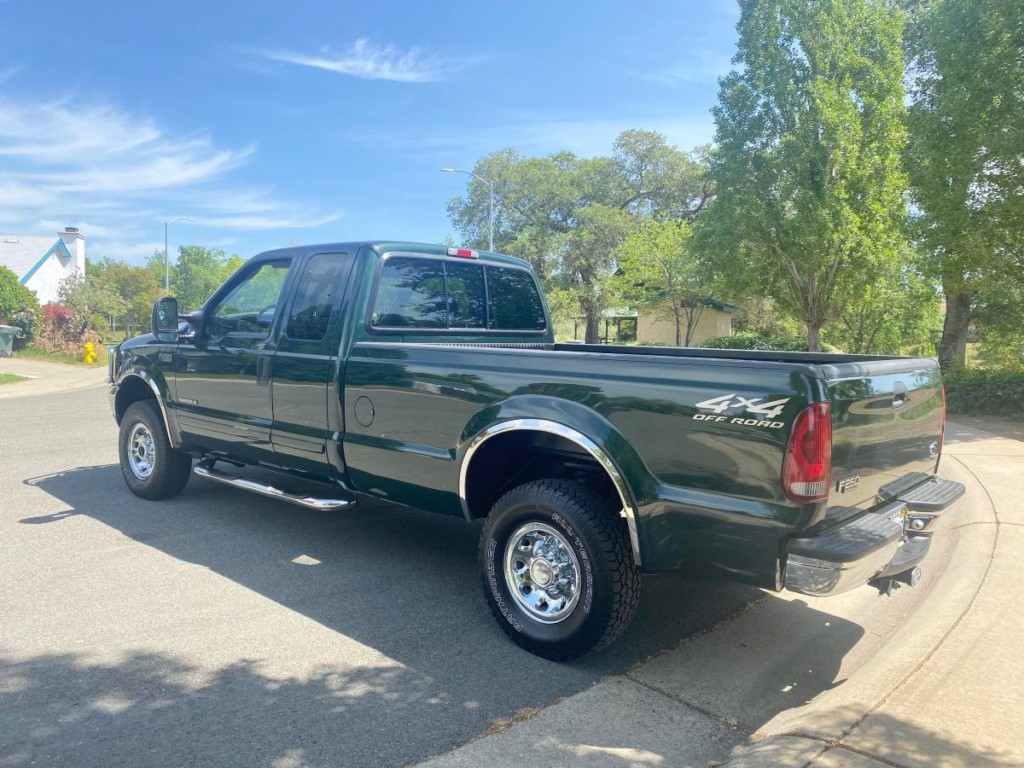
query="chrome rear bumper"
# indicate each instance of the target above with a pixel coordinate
(883, 543)
(847, 555)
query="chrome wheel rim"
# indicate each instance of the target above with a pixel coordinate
(542, 573)
(141, 451)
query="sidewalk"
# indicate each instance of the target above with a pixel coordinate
(932, 676)
(45, 377)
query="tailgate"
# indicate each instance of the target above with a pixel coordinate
(887, 420)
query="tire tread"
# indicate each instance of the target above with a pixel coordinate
(605, 531)
(171, 469)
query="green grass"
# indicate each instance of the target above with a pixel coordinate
(34, 353)
(10, 378)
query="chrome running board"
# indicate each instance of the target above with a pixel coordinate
(206, 469)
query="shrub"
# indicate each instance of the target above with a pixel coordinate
(986, 391)
(18, 306)
(60, 331)
(754, 341)
(28, 320)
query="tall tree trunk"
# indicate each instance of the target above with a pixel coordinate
(692, 321)
(593, 335)
(953, 347)
(813, 337)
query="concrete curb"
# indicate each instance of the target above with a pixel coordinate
(804, 736)
(727, 695)
(45, 378)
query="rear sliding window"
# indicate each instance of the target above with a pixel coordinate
(513, 302)
(435, 293)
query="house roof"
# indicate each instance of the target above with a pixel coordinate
(721, 306)
(24, 255)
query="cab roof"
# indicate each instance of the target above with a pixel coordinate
(393, 246)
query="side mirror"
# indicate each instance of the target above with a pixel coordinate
(165, 319)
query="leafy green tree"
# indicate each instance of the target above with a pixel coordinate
(587, 264)
(967, 154)
(761, 316)
(897, 314)
(198, 273)
(657, 270)
(567, 215)
(136, 285)
(999, 318)
(155, 264)
(14, 296)
(18, 305)
(87, 296)
(807, 172)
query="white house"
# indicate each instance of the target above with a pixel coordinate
(42, 262)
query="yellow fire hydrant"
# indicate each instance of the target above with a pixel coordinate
(88, 353)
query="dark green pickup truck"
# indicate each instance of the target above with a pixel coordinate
(428, 376)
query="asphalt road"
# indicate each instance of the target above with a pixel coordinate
(225, 629)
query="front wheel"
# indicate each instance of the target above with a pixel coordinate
(557, 569)
(151, 468)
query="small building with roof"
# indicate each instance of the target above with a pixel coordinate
(41, 263)
(655, 325)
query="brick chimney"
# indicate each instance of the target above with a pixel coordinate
(75, 242)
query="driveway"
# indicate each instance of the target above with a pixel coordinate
(225, 629)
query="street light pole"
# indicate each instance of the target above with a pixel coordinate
(490, 203)
(167, 263)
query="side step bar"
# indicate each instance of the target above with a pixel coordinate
(206, 469)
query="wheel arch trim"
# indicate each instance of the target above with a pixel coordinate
(628, 510)
(173, 435)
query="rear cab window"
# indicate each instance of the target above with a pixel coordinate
(316, 297)
(448, 295)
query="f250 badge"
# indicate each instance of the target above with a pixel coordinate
(847, 483)
(768, 411)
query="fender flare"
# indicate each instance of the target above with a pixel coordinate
(173, 433)
(628, 510)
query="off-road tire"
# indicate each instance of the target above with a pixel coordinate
(170, 469)
(591, 526)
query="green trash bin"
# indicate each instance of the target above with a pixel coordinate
(8, 333)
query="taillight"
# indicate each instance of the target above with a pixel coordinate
(808, 463)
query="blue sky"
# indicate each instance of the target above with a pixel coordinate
(270, 122)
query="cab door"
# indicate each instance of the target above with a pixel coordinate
(308, 411)
(223, 377)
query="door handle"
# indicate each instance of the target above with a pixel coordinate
(899, 395)
(263, 371)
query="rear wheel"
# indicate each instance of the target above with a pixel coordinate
(557, 569)
(151, 468)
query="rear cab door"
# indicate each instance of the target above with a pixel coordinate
(308, 403)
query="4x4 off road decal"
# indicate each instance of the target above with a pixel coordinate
(768, 411)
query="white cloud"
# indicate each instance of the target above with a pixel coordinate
(8, 73)
(534, 134)
(282, 220)
(133, 251)
(700, 67)
(591, 137)
(101, 149)
(125, 174)
(16, 194)
(369, 61)
(94, 229)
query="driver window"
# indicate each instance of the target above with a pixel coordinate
(250, 307)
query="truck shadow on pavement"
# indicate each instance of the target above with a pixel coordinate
(401, 582)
